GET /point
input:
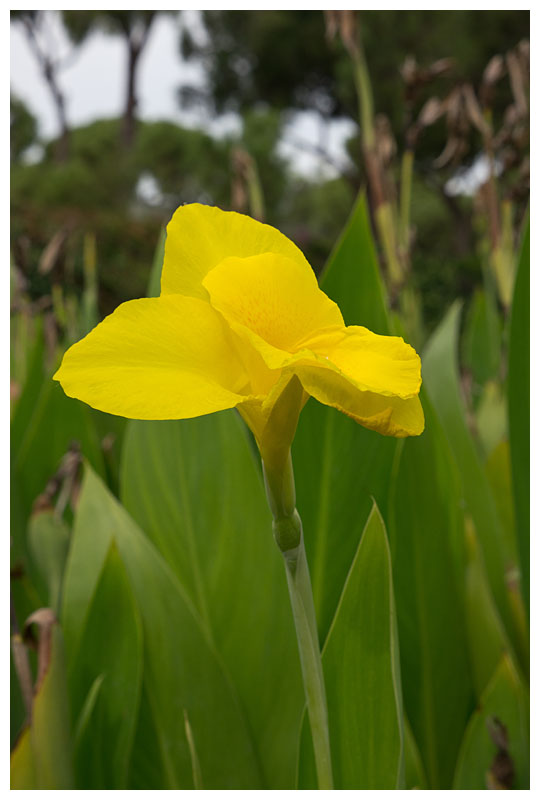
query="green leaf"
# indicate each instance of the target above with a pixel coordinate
(487, 638)
(351, 276)
(154, 284)
(48, 538)
(415, 777)
(499, 473)
(87, 710)
(519, 407)
(361, 669)
(504, 701)
(181, 668)
(110, 431)
(195, 489)
(426, 537)
(440, 371)
(109, 650)
(491, 417)
(482, 338)
(340, 466)
(40, 439)
(42, 756)
(22, 763)
(148, 768)
(17, 710)
(27, 360)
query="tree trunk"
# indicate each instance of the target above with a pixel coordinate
(136, 40)
(62, 146)
(128, 124)
(48, 69)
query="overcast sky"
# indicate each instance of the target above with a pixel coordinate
(93, 80)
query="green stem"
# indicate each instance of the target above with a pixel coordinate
(310, 657)
(405, 197)
(256, 198)
(287, 528)
(365, 97)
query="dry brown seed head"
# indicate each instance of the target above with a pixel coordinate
(431, 111)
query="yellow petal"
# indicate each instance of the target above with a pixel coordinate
(373, 363)
(159, 358)
(391, 416)
(199, 237)
(273, 297)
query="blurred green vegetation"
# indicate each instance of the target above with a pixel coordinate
(95, 187)
(239, 56)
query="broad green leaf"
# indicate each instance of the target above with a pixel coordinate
(491, 417)
(27, 359)
(41, 438)
(181, 668)
(22, 763)
(340, 466)
(426, 530)
(441, 376)
(504, 702)
(110, 430)
(42, 757)
(519, 407)
(195, 489)
(499, 473)
(486, 635)
(415, 777)
(42, 425)
(195, 764)
(48, 539)
(109, 650)
(17, 710)
(149, 765)
(87, 710)
(351, 276)
(482, 338)
(25, 594)
(361, 669)
(22, 414)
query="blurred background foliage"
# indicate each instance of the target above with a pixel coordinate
(421, 232)
(92, 183)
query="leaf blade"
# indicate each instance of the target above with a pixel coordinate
(441, 376)
(519, 407)
(181, 667)
(361, 669)
(195, 490)
(505, 700)
(426, 530)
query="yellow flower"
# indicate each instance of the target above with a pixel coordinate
(241, 323)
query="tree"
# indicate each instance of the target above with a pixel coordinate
(134, 27)
(243, 68)
(22, 128)
(34, 23)
(284, 59)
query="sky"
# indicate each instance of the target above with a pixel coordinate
(93, 78)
